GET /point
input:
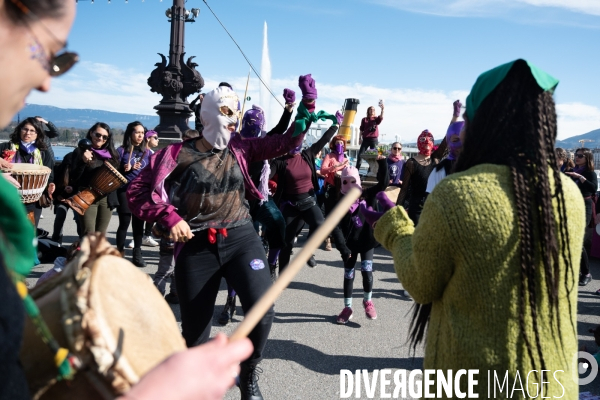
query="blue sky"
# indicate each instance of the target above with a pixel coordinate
(418, 56)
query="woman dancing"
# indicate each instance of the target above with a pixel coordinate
(197, 190)
(497, 248)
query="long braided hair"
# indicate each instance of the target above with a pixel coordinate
(516, 126)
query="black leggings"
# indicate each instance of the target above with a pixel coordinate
(125, 217)
(60, 212)
(366, 269)
(294, 219)
(239, 258)
(331, 201)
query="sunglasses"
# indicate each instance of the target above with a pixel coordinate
(579, 155)
(55, 64)
(154, 137)
(396, 148)
(101, 136)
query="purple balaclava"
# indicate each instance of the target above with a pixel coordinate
(253, 122)
(454, 147)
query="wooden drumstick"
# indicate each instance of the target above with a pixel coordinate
(318, 237)
(130, 153)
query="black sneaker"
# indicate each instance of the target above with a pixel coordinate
(228, 311)
(249, 382)
(273, 270)
(585, 279)
(312, 262)
(172, 298)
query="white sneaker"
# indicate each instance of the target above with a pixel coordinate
(130, 245)
(148, 241)
(41, 216)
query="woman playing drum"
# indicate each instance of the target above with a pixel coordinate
(197, 190)
(85, 165)
(27, 145)
(134, 156)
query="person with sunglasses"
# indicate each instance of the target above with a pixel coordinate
(85, 165)
(27, 145)
(133, 156)
(585, 177)
(395, 164)
(33, 27)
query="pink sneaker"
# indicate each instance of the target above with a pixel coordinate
(345, 315)
(370, 309)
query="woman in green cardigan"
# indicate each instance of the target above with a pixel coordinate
(496, 252)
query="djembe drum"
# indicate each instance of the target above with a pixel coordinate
(106, 180)
(109, 315)
(33, 179)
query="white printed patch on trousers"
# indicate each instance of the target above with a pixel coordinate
(257, 264)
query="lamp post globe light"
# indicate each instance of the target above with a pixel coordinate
(175, 80)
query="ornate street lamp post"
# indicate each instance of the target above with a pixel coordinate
(176, 80)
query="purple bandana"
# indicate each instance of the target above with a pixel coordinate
(102, 153)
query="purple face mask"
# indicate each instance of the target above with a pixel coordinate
(253, 122)
(339, 148)
(454, 147)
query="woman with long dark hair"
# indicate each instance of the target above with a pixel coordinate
(496, 252)
(27, 145)
(133, 155)
(584, 176)
(85, 165)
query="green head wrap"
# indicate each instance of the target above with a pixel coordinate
(489, 80)
(303, 117)
(17, 233)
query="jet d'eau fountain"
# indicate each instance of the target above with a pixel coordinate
(265, 72)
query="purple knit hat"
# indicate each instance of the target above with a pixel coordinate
(253, 122)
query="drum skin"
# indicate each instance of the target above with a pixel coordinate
(108, 314)
(33, 179)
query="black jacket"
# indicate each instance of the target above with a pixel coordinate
(278, 166)
(361, 239)
(82, 174)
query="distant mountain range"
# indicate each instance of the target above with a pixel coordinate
(573, 142)
(84, 118)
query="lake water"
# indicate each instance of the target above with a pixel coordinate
(61, 151)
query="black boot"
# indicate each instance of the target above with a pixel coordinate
(273, 269)
(137, 258)
(249, 382)
(228, 311)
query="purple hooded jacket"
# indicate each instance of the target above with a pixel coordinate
(147, 196)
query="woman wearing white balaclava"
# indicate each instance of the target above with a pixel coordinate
(196, 189)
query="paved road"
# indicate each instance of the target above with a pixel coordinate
(307, 348)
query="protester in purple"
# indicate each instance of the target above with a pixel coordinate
(369, 132)
(360, 239)
(197, 189)
(445, 167)
(134, 155)
(85, 163)
(395, 163)
(263, 211)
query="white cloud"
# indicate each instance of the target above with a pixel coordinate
(479, 8)
(576, 119)
(408, 111)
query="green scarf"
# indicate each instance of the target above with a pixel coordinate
(489, 80)
(303, 117)
(17, 234)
